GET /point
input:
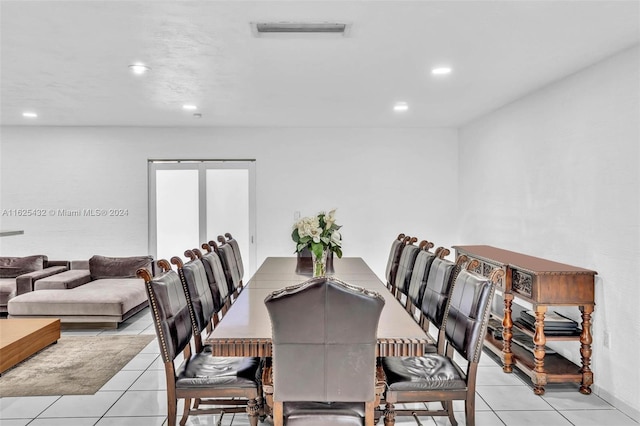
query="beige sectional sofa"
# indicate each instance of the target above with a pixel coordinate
(18, 275)
(101, 292)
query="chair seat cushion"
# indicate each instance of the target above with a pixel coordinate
(206, 371)
(427, 372)
(324, 413)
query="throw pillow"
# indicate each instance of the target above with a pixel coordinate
(118, 267)
(12, 267)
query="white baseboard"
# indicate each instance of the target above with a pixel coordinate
(630, 411)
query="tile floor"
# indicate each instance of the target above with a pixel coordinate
(136, 396)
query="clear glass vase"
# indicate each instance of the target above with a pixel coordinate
(319, 263)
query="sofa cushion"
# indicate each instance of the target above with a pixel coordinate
(113, 297)
(64, 280)
(79, 264)
(11, 267)
(118, 267)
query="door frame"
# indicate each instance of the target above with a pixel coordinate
(202, 166)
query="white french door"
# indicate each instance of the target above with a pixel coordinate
(191, 202)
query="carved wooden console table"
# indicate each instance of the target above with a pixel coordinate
(542, 283)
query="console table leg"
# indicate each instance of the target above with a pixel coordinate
(539, 341)
(507, 334)
(585, 349)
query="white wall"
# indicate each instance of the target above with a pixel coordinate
(555, 175)
(382, 181)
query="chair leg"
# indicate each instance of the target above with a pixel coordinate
(369, 413)
(219, 423)
(449, 409)
(172, 407)
(185, 411)
(416, 418)
(389, 415)
(470, 409)
(253, 409)
(262, 408)
(278, 413)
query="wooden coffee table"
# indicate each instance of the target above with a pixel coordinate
(22, 337)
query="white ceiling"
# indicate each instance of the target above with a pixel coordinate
(68, 60)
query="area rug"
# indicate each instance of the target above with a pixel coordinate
(76, 365)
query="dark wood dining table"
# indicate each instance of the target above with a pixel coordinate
(245, 329)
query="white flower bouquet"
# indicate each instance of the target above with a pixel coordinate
(318, 233)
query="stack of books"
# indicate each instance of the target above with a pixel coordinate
(555, 324)
(519, 338)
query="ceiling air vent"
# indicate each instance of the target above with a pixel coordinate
(262, 29)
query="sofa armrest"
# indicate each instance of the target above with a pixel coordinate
(25, 282)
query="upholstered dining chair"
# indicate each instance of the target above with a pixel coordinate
(405, 269)
(201, 276)
(230, 266)
(437, 284)
(438, 376)
(236, 252)
(324, 353)
(437, 290)
(394, 257)
(217, 279)
(232, 252)
(199, 296)
(194, 254)
(419, 276)
(200, 376)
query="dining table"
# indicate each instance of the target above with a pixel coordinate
(245, 329)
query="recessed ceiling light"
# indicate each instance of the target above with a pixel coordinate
(139, 69)
(29, 115)
(441, 71)
(401, 107)
(189, 107)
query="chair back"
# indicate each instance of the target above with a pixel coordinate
(230, 267)
(419, 276)
(467, 314)
(236, 253)
(394, 258)
(213, 286)
(324, 341)
(194, 279)
(217, 278)
(436, 291)
(405, 267)
(170, 312)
